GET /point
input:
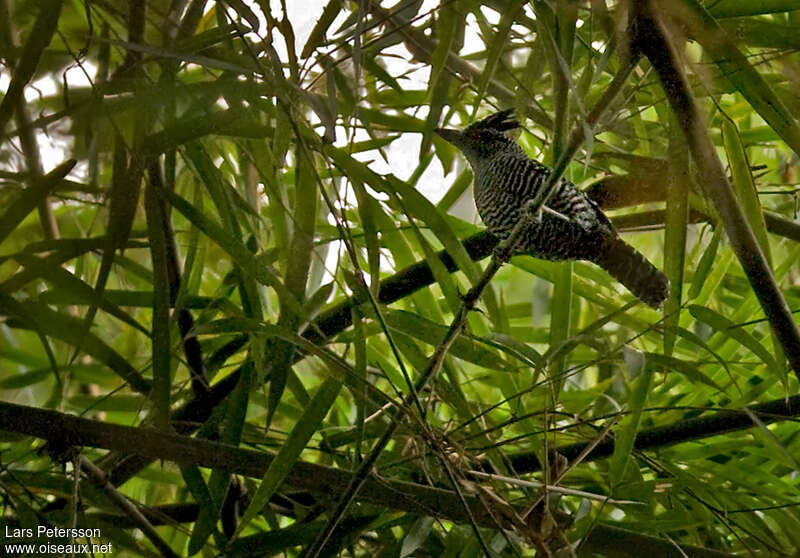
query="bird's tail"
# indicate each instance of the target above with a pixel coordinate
(631, 269)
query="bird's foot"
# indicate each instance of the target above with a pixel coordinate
(535, 217)
(501, 253)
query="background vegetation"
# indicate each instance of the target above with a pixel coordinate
(237, 265)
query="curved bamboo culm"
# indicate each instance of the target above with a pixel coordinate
(654, 42)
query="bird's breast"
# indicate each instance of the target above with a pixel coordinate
(501, 194)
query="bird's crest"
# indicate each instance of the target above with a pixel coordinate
(502, 121)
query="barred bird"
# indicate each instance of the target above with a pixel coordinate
(569, 227)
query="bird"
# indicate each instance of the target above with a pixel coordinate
(570, 225)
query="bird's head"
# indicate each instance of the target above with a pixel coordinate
(484, 138)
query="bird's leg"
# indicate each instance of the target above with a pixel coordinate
(555, 213)
(536, 218)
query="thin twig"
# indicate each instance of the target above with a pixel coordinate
(101, 479)
(502, 253)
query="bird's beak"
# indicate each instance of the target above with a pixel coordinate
(450, 135)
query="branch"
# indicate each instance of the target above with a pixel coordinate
(151, 444)
(101, 480)
(605, 540)
(683, 430)
(69, 430)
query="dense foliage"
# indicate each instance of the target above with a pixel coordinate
(238, 271)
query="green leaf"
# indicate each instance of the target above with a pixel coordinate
(234, 247)
(290, 451)
(625, 433)
(744, 185)
(449, 25)
(676, 224)
(68, 287)
(751, 206)
(765, 34)
(317, 36)
(161, 347)
(694, 339)
(499, 43)
(689, 369)
(209, 509)
(710, 269)
(431, 333)
(68, 329)
(416, 536)
(734, 331)
(560, 316)
(743, 76)
(40, 36)
(235, 122)
(276, 541)
(460, 185)
(32, 196)
(245, 13)
(737, 8)
(366, 210)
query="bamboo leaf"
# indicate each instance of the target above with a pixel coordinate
(449, 25)
(71, 290)
(240, 254)
(468, 349)
(66, 328)
(676, 223)
(290, 451)
(317, 36)
(31, 197)
(742, 75)
(416, 536)
(210, 508)
(625, 433)
(744, 185)
(689, 369)
(710, 269)
(738, 8)
(161, 346)
(245, 13)
(729, 329)
(499, 43)
(40, 36)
